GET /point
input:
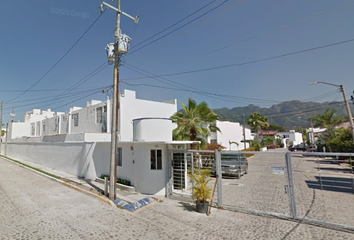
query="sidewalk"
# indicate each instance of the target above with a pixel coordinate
(92, 186)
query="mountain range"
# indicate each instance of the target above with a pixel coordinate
(290, 115)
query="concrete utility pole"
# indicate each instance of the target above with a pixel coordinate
(348, 110)
(244, 131)
(7, 135)
(341, 87)
(118, 51)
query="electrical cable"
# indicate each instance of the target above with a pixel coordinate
(250, 62)
(173, 24)
(165, 35)
(66, 53)
(80, 82)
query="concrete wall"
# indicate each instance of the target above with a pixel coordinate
(153, 129)
(231, 131)
(146, 180)
(292, 136)
(75, 155)
(19, 129)
(73, 158)
(132, 108)
(88, 120)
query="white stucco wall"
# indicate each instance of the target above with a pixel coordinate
(132, 108)
(73, 158)
(292, 136)
(153, 129)
(87, 121)
(146, 180)
(19, 129)
(231, 131)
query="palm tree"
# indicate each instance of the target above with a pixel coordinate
(257, 122)
(328, 119)
(192, 122)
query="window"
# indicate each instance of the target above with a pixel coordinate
(213, 141)
(99, 115)
(76, 119)
(156, 159)
(119, 156)
(43, 127)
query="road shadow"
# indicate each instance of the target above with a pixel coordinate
(338, 170)
(188, 206)
(334, 184)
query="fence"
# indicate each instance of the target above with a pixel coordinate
(303, 186)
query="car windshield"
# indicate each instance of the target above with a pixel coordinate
(230, 157)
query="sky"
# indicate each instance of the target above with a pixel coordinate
(228, 53)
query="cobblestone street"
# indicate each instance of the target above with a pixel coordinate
(35, 207)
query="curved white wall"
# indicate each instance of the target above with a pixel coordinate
(152, 129)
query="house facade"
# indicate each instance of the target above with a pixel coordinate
(78, 142)
(231, 135)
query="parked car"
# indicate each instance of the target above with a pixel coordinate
(302, 147)
(233, 164)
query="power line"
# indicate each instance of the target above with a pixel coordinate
(165, 35)
(40, 100)
(80, 82)
(249, 62)
(67, 52)
(173, 24)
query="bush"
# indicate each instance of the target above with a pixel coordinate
(124, 182)
(271, 146)
(103, 176)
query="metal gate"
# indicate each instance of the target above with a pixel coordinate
(309, 187)
(179, 171)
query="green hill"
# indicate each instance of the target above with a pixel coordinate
(290, 115)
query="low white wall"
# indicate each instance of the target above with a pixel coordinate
(73, 158)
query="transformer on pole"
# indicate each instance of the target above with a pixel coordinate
(114, 51)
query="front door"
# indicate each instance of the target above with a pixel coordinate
(179, 171)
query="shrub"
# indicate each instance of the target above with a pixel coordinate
(124, 182)
(271, 146)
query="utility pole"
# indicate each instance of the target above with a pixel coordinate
(114, 51)
(341, 87)
(1, 124)
(244, 131)
(7, 135)
(348, 110)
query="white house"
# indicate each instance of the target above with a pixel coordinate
(290, 137)
(78, 142)
(232, 135)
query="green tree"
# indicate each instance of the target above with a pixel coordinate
(342, 142)
(195, 122)
(274, 127)
(328, 120)
(257, 122)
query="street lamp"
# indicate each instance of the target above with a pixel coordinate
(341, 87)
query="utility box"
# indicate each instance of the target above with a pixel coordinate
(110, 52)
(123, 44)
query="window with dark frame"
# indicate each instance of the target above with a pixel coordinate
(156, 159)
(75, 116)
(119, 157)
(99, 115)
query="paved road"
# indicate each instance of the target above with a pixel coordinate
(34, 207)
